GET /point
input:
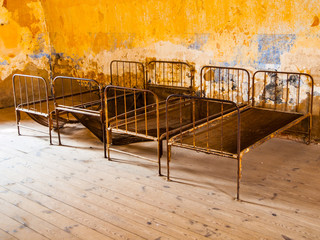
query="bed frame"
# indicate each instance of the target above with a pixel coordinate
(276, 106)
(147, 118)
(32, 95)
(88, 105)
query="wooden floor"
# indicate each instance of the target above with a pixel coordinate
(72, 192)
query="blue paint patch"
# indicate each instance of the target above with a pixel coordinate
(40, 55)
(4, 63)
(271, 47)
(229, 64)
(199, 41)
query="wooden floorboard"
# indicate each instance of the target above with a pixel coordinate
(72, 192)
(38, 209)
(6, 236)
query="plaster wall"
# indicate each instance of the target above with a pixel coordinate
(80, 38)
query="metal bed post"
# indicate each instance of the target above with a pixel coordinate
(159, 151)
(239, 154)
(167, 138)
(57, 117)
(15, 105)
(310, 109)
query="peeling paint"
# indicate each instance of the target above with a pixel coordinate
(271, 47)
(23, 43)
(40, 55)
(199, 41)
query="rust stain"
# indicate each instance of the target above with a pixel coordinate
(315, 21)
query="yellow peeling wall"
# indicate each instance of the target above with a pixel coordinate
(24, 43)
(81, 37)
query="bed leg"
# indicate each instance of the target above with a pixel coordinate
(161, 148)
(239, 177)
(58, 128)
(104, 137)
(50, 128)
(109, 137)
(160, 152)
(168, 161)
(309, 130)
(105, 145)
(18, 121)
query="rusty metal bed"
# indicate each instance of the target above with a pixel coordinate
(32, 95)
(276, 106)
(146, 119)
(88, 107)
(149, 121)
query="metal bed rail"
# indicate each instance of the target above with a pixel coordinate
(78, 96)
(31, 95)
(210, 113)
(285, 92)
(127, 74)
(129, 111)
(227, 83)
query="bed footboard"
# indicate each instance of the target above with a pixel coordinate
(133, 112)
(83, 99)
(205, 113)
(31, 95)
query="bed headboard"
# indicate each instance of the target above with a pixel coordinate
(31, 93)
(129, 74)
(225, 83)
(76, 92)
(170, 77)
(283, 91)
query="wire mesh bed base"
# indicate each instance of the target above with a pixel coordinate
(256, 126)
